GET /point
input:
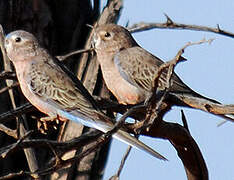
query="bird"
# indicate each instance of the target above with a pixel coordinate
(129, 70)
(54, 90)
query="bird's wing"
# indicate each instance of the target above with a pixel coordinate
(50, 82)
(139, 67)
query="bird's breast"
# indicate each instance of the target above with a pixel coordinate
(23, 75)
(125, 92)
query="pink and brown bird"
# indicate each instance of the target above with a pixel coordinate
(129, 70)
(55, 91)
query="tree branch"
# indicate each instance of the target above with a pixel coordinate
(169, 24)
(7, 75)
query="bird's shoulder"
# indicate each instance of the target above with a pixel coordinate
(135, 56)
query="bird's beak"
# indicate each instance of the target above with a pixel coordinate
(95, 41)
(7, 44)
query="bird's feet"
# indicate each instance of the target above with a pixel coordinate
(44, 122)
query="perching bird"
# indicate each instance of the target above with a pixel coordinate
(129, 70)
(55, 91)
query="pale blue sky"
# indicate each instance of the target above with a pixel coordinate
(208, 71)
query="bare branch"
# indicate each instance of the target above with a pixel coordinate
(25, 108)
(184, 120)
(123, 161)
(62, 58)
(9, 87)
(17, 174)
(7, 75)
(8, 131)
(3, 155)
(169, 24)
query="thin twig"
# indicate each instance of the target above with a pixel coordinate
(25, 108)
(124, 160)
(3, 155)
(184, 120)
(17, 174)
(7, 75)
(8, 131)
(169, 24)
(58, 146)
(9, 87)
(121, 121)
(62, 163)
(153, 103)
(62, 58)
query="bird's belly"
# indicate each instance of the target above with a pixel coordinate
(122, 90)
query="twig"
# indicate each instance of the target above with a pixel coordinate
(120, 122)
(7, 75)
(9, 87)
(171, 64)
(184, 120)
(62, 163)
(221, 123)
(8, 131)
(3, 155)
(154, 102)
(169, 24)
(25, 108)
(17, 174)
(58, 146)
(62, 58)
(123, 160)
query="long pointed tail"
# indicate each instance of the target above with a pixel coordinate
(104, 124)
(127, 138)
(205, 104)
(132, 141)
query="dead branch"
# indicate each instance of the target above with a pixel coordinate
(7, 75)
(17, 174)
(60, 147)
(62, 58)
(25, 108)
(184, 120)
(9, 87)
(116, 176)
(184, 144)
(169, 24)
(5, 153)
(8, 131)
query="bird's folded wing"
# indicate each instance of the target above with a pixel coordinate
(139, 67)
(51, 84)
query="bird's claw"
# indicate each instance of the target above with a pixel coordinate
(43, 123)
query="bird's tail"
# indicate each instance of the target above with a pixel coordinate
(134, 142)
(130, 140)
(200, 102)
(104, 124)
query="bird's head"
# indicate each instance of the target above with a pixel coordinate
(20, 45)
(112, 38)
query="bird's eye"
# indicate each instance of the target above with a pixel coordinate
(107, 34)
(18, 39)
